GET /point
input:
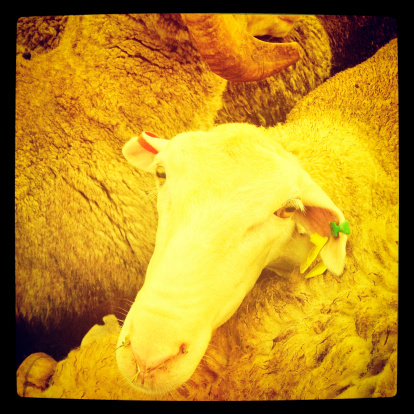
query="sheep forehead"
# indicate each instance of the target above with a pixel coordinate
(225, 156)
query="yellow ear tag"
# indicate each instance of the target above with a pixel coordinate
(316, 271)
(319, 241)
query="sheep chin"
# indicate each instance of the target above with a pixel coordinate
(160, 380)
(158, 385)
(166, 376)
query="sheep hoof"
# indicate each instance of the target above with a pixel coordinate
(34, 373)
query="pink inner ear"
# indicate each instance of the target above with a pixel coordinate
(316, 220)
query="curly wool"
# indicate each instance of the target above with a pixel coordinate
(331, 44)
(268, 101)
(39, 33)
(296, 338)
(298, 343)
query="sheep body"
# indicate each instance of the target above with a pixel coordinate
(328, 336)
(79, 245)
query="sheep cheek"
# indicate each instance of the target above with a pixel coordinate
(281, 243)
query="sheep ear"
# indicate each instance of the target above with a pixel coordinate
(319, 212)
(140, 151)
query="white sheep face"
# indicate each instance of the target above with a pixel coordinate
(216, 232)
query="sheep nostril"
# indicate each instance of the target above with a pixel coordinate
(149, 364)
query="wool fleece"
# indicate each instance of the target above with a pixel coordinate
(296, 338)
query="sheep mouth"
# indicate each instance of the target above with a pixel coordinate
(153, 381)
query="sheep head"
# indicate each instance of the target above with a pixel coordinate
(230, 203)
(229, 47)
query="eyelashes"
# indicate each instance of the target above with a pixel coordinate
(285, 212)
(289, 208)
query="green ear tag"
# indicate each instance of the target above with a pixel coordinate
(343, 228)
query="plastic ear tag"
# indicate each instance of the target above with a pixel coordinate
(144, 143)
(319, 241)
(316, 271)
(343, 228)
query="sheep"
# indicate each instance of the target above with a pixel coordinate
(84, 84)
(329, 336)
(338, 43)
(80, 92)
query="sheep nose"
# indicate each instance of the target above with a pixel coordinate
(148, 361)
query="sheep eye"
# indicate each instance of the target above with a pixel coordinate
(161, 175)
(285, 211)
